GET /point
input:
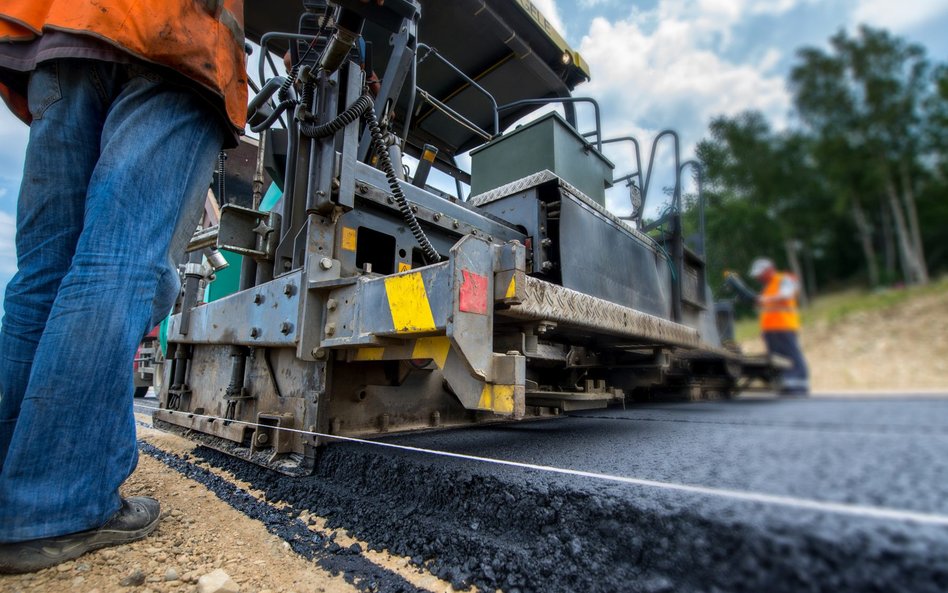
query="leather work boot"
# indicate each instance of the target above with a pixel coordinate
(137, 518)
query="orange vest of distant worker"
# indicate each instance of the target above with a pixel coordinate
(778, 314)
(201, 39)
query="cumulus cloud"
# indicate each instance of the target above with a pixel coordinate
(673, 76)
(7, 249)
(909, 13)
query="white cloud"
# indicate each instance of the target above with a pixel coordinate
(673, 76)
(908, 13)
(7, 246)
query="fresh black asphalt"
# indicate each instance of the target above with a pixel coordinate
(525, 530)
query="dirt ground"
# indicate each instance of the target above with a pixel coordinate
(198, 534)
(900, 348)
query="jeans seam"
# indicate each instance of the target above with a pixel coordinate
(47, 102)
(99, 86)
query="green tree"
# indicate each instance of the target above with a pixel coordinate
(863, 103)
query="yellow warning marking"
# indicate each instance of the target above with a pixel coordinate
(403, 267)
(498, 398)
(435, 348)
(348, 238)
(428, 155)
(408, 302)
(370, 354)
(511, 288)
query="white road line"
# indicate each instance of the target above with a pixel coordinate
(839, 508)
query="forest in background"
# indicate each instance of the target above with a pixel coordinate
(853, 191)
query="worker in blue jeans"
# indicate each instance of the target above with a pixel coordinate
(120, 156)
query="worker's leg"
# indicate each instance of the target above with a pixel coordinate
(795, 380)
(60, 156)
(74, 441)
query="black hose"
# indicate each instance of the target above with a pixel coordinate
(280, 108)
(364, 106)
(385, 163)
(360, 107)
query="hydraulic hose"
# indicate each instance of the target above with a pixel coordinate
(360, 107)
(277, 112)
(364, 106)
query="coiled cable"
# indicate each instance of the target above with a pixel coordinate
(360, 107)
(364, 107)
(385, 163)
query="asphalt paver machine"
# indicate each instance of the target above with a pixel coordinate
(371, 302)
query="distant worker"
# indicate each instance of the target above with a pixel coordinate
(779, 320)
(129, 104)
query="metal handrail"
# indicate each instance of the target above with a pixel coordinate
(564, 100)
(430, 51)
(696, 165)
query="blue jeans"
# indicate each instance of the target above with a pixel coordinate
(796, 379)
(118, 164)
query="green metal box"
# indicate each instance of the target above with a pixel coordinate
(546, 143)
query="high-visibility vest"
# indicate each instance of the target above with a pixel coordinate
(778, 314)
(200, 39)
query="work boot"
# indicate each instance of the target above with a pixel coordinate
(137, 518)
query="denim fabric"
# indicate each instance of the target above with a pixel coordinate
(118, 164)
(796, 379)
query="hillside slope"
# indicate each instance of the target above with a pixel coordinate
(893, 340)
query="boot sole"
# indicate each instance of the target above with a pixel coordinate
(62, 549)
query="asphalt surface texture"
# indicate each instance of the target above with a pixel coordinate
(853, 497)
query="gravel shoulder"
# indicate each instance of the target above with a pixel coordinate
(200, 531)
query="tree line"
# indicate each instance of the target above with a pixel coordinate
(854, 190)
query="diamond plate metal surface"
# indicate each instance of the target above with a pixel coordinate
(515, 187)
(544, 301)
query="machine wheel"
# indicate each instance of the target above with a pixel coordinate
(141, 391)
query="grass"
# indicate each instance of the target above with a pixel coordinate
(835, 307)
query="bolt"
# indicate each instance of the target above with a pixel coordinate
(414, 209)
(258, 298)
(436, 418)
(331, 304)
(390, 200)
(362, 187)
(320, 353)
(456, 224)
(286, 327)
(436, 216)
(289, 289)
(262, 438)
(490, 237)
(547, 266)
(254, 332)
(325, 263)
(330, 329)
(546, 242)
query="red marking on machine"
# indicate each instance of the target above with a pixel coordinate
(473, 297)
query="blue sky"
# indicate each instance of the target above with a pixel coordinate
(655, 64)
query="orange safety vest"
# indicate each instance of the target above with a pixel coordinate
(778, 314)
(201, 39)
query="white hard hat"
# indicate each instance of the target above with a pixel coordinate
(759, 266)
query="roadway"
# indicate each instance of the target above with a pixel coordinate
(755, 494)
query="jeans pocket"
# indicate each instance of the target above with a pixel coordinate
(44, 88)
(140, 70)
